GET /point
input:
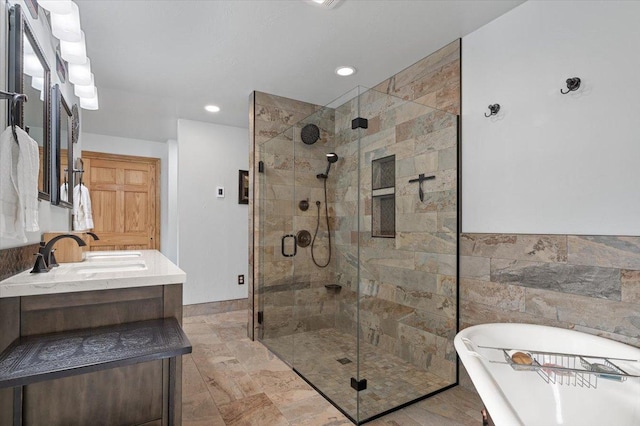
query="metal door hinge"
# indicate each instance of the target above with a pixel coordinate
(261, 166)
(359, 122)
(260, 317)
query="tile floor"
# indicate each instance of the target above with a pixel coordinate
(230, 380)
(390, 380)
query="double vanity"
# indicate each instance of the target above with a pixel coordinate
(106, 289)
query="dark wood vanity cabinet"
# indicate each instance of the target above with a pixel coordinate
(132, 395)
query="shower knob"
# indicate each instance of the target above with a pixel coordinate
(304, 238)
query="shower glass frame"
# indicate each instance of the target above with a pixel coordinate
(289, 300)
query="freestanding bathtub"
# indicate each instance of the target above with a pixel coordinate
(574, 379)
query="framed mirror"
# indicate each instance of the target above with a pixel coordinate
(61, 130)
(29, 73)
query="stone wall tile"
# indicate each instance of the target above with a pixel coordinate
(475, 267)
(590, 281)
(543, 248)
(436, 263)
(599, 314)
(473, 313)
(630, 286)
(608, 251)
(506, 297)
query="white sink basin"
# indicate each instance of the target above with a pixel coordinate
(516, 397)
(111, 267)
(112, 255)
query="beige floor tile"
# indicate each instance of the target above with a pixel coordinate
(198, 406)
(246, 384)
(255, 410)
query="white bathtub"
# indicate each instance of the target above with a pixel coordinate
(524, 398)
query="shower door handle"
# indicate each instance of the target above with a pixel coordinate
(295, 245)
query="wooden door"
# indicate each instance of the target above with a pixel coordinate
(125, 199)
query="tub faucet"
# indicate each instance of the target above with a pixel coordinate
(45, 260)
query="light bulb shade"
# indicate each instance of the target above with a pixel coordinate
(85, 91)
(67, 26)
(32, 66)
(74, 52)
(56, 6)
(89, 103)
(81, 73)
(37, 83)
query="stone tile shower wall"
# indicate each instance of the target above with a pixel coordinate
(293, 295)
(586, 283)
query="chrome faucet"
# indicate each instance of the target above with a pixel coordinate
(45, 260)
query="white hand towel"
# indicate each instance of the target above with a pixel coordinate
(19, 166)
(82, 215)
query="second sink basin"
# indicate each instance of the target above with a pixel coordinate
(106, 267)
(113, 255)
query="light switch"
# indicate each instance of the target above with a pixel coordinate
(220, 191)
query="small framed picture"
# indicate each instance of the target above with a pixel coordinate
(243, 187)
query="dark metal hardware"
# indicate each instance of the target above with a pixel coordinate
(358, 385)
(303, 238)
(573, 84)
(421, 178)
(46, 251)
(295, 245)
(304, 205)
(493, 110)
(94, 236)
(260, 317)
(15, 98)
(40, 265)
(359, 122)
(261, 166)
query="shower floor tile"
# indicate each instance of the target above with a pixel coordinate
(320, 357)
(230, 380)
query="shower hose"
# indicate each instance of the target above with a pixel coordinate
(315, 234)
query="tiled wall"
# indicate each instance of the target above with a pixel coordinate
(16, 260)
(585, 283)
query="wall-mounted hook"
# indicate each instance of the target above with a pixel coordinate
(573, 83)
(493, 110)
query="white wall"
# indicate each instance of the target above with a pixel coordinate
(552, 163)
(213, 231)
(141, 148)
(51, 218)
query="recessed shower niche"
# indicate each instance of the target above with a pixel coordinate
(386, 338)
(383, 197)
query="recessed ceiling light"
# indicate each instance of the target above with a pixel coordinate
(212, 108)
(345, 71)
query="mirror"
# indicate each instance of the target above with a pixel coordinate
(29, 74)
(62, 124)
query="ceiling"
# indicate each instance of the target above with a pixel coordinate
(157, 61)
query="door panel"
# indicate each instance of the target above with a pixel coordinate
(125, 200)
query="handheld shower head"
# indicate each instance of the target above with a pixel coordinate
(332, 157)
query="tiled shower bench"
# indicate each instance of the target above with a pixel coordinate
(58, 355)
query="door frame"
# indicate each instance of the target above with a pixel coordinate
(153, 161)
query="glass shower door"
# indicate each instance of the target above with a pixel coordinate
(276, 282)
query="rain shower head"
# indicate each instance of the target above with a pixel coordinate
(310, 134)
(332, 157)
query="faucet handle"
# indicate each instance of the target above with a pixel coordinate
(40, 265)
(52, 262)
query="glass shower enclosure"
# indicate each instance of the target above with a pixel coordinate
(358, 251)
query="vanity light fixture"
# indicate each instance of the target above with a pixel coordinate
(90, 103)
(212, 108)
(56, 6)
(74, 52)
(345, 71)
(85, 90)
(80, 73)
(327, 4)
(67, 26)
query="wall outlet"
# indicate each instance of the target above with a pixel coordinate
(220, 191)
(240, 279)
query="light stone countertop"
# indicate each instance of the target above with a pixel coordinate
(67, 277)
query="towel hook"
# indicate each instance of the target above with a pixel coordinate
(573, 83)
(493, 110)
(13, 113)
